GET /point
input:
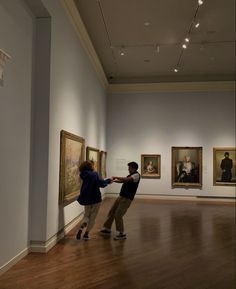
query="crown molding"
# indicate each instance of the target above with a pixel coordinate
(74, 16)
(172, 87)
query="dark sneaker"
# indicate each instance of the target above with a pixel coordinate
(78, 236)
(86, 237)
(120, 236)
(105, 232)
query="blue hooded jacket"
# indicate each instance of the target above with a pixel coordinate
(90, 193)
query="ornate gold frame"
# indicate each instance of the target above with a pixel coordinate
(89, 157)
(102, 164)
(156, 160)
(218, 155)
(71, 156)
(195, 178)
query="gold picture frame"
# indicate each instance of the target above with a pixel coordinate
(92, 154)
(71, 156)
(224, 166)
(186, 166)
(150, 166)
(102, 165)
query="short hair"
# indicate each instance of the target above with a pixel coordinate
(226, 154)
(133, 165)
(86, 166)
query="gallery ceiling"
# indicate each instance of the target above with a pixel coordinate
(140, 41)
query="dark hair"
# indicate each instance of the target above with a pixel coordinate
(226, 154)
(86, 166)
(133, 165)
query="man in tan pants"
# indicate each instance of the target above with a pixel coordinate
(122, 203)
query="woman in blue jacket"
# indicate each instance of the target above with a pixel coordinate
(90, 196)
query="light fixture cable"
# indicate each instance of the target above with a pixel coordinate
(184, 45)
(107, 33)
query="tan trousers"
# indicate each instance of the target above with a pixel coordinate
(90, 214)
(116, 213)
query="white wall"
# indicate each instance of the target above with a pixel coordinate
(16, 34)
(76, 102)
(40, 129)
(77, 105)
(153, 123)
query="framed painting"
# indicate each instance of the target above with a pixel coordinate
(103, 160)
(92, 154)
(150, 166)
(224, 166)
(71, 156)
(186, 166)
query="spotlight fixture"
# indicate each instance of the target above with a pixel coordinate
(122, 51)
(157, 48)
(193, 24)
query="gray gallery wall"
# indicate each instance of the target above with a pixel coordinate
(60, 83)
(152, 123)
(77, 105)
(16, 30)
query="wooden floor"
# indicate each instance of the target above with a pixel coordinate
(169, 245)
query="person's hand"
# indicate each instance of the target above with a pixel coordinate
(111, 180)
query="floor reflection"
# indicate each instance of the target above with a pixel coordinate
(186, 228)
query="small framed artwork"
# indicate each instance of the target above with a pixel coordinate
(150, 166)
(71, 156)
(186, 166)
(224, 166)
(92, 154)
(103, 161)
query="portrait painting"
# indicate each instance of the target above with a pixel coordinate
(103, 160)
(71, 156)
(150, 166)
(186, 166)
(224, 166)
(92, 154)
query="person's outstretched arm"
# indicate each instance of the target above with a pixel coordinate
(122, 179)
(103, 182)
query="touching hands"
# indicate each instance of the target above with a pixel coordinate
(115, 179)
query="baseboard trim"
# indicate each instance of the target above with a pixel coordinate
(45, 246)
(179, 198)
(41, 246)
(13, 261)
